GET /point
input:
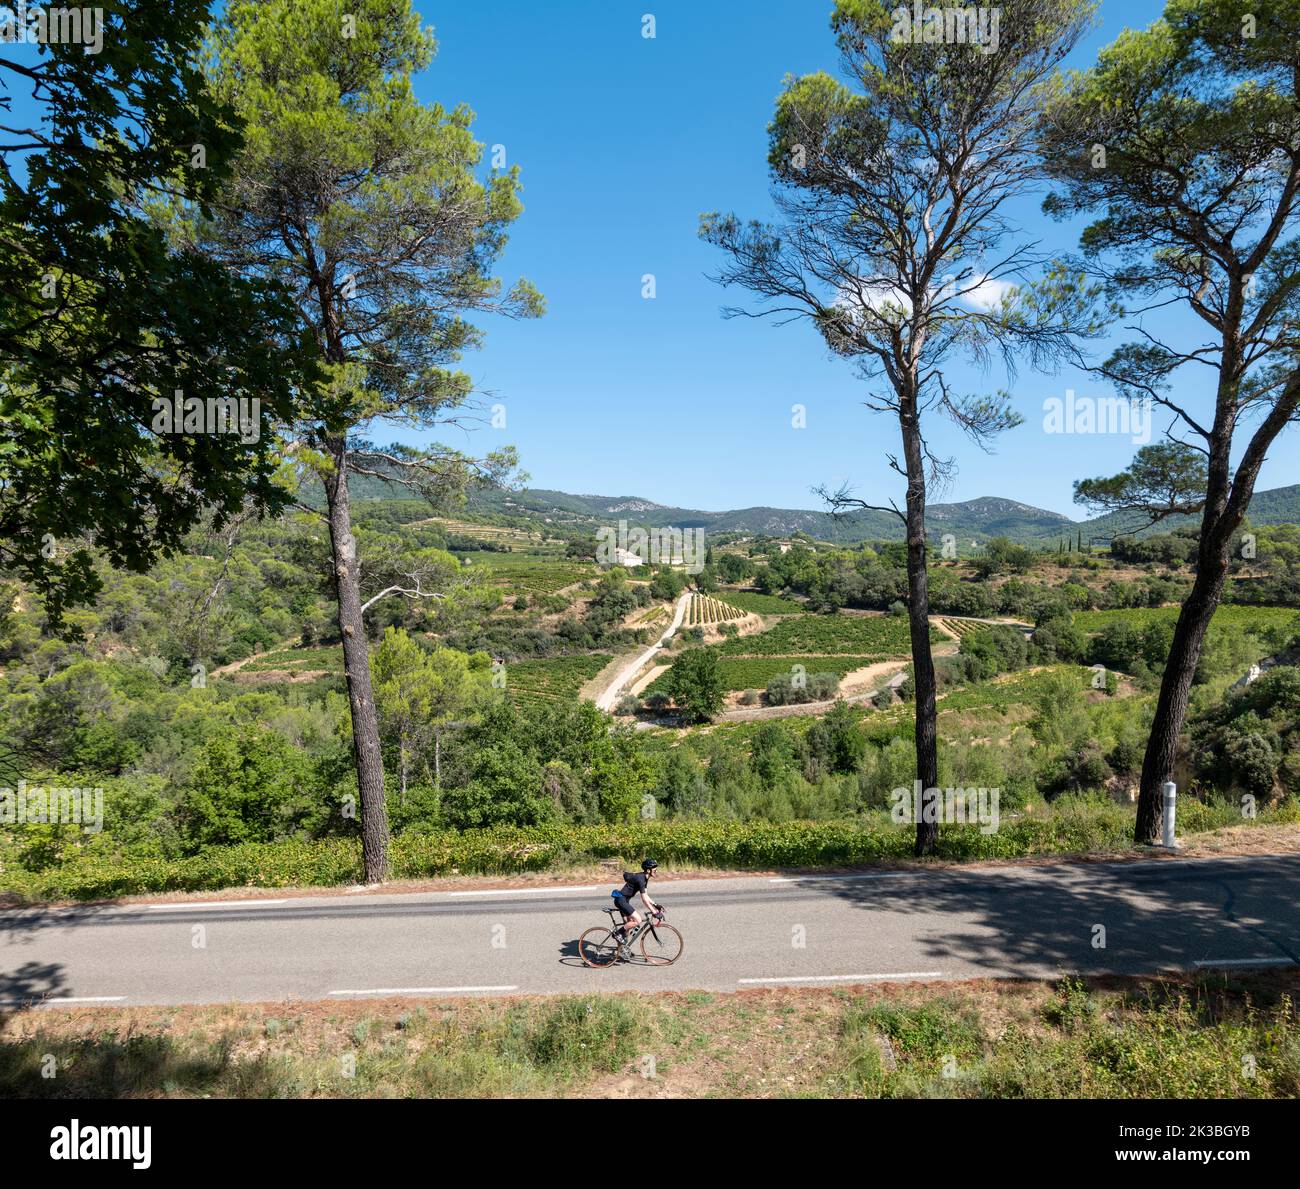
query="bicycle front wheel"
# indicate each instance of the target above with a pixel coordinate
(597, 948)
(661, 945)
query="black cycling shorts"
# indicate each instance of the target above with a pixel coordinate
(623, 904)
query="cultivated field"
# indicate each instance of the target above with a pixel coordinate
(557, 678)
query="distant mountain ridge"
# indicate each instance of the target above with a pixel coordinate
(977, 519)
(980, 519)
(969, 520)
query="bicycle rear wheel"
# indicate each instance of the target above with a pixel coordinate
(598, 948)
(661, 945)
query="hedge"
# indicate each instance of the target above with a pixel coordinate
(1072, 826)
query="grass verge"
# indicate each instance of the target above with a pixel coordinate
(1207, 1035)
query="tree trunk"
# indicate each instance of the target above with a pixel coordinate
(1228, 498)
(1175, 689)
(356, 665)
(918, 616)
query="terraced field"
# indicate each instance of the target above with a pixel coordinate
(498, 534)
(706, 611)
(1228, 615)
(876, 637)
(326, 658)
(961, 628)
(755, 672)
(555, 678)
(761, 604)
(531, 574)
(657, 616)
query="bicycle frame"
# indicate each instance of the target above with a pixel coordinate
(647, 923)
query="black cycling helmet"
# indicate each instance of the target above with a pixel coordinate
(648, 864)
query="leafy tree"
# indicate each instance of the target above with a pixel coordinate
(995, 650)
(783, 689)
(836, 741)
(419, 694)
(732, 567)
(505, 789)
(1118, 646)
(367, 205)
(773, 751)
(890, 240)
(1183, 142)
(101, 316)
(695, 685)
(622, 780)
(249, 788)
(1003, 556)
(1167, 479)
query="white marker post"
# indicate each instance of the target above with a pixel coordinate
(1171, 797)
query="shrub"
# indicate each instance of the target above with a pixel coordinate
(695, 685)
(788, 689)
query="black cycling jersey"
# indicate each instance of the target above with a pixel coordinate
(634, 882)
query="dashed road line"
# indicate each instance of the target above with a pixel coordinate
(424, 990)
(844, 978)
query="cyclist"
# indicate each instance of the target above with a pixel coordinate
(634, 883)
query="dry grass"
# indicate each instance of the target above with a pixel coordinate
(1232, 1036)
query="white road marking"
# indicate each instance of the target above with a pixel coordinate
(422, 990)
(68, 999)
(1246, 962)
(844, 978)
(841, 878)
(529, 891)
(181, 904)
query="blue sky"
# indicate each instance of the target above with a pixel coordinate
(623, 142)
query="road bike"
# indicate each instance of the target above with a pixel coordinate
(661, 944)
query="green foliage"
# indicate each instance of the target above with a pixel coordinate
(1251, 742)
(788, 688)
(694, 684)
(761, 604)
(1002, 556)
(102, 315)
(1071, 826)
(1164, 479)
(877, 636)
(252, 788)
(504, 788)
(835, 742)
(993, 650)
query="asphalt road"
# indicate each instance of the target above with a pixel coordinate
(740, 932)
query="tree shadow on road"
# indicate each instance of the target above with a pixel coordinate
(1041, 920)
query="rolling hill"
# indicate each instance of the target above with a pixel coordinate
(969, 520)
